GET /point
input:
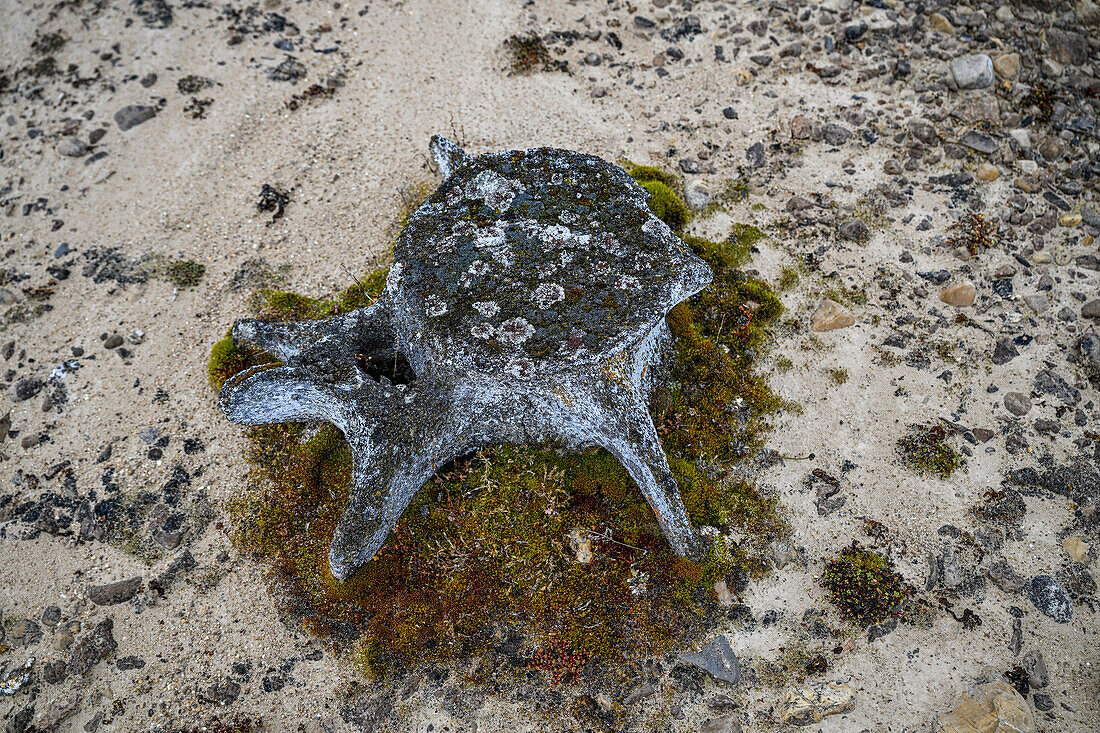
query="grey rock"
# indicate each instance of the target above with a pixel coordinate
(133, 115)
(26, 388)
(24, 632)
(58, 712)
(1037, 675)
(973, 72)
(1067, 47)
(1051, 598)
(979, 142)
(1004, 577)
(1017, 403)
(724, 724)
(51, 616)
(755, 155)
(128, 663)
(478, 366)
(72, 147)
(638, 694)
(93, 648)
(54, 672)
(1091, 310)
(1043, 702)
(182, 564)
(835, 134)
(115, 593)
(717, 658)
(225, 692)
(113, 341)
(1005, 351)
(924, 132)
(1047, 382)
(1088, 355)
(854, 230)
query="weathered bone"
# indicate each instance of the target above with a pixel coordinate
(528, 294)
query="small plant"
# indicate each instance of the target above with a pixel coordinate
(788, 278)
(925, 450)
(783, 364)
(838, 376)
(528, 53)
(184, 273)
(1042, 99)
(974, 232)
(863, 585)
(666, 204)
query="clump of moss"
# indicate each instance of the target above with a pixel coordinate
(925, 450)
(1041, 99)
(184, 273)
(528, 53)
(788, 278)
(847, 296)
(650, 173)
(668, 207)
(838, 376)
(864, 585)
(480, 564)
(974, 232)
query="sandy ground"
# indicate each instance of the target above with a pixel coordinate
(177, 187)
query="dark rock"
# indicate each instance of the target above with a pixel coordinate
(225, 692)
(27, 388)
(133, 115)
(154, 13)
(1005, 351)
(1004, 577)
(128, 663)
(1091, 310)
(1067, 47)
(96, 646)
(854, 32)
(729, 113)
(182, 564)
(1050, 598)
(51, 616)
(1047, 382)
(289, 70)
(717, 658)
(854, 230)
(114, 593)
(1042, 701)
(755, 155)
(54, 672)
(113, 342)
(979, 142)
(24, 633)
(835, 134)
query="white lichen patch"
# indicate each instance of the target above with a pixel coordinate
(516, 330)
(494, 189)
(484, 331)
(547, 294)
(487, 309)
(435, 306)
(520, 368)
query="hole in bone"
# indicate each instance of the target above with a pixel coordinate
(382, 360)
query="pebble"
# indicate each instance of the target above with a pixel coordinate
(1076, 548)
(1017, 403)
(1091, 310)
(830, 316)
(979, 142)
(973, 72)
(697, 196)
(988, 172)
(1037, 675)
(939, 23)
(854, 230)
(72, 147)
(961, 295)
(1004, 577)
(27, 388)
(115, 593)
(133, 115)
(1051, 598)
(1007, 65)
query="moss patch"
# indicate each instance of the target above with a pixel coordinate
(483, 563)
(926, 450)
(668, 207)
(864, 585)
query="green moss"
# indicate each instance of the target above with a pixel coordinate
(668, 207)
(225, 361)
(746, 235)
(864, 585)
(788, 278)
(838, 376)
(651, 173)
(926, 450)
(847, 296)
(184, 273)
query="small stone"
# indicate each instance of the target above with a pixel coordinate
(27, 388)
(801, 128)
(1070, 220)
(697, 196)
(1037, 675)
(973, 72)
(54, 672)
(830, 316)
(1007, 65)
(114, 593)
(1051, 598)
(1004, 577)
(1042, 701)
(24, 633)
(1077, 549)
(580, 542)
(133, 115)
(96, 646)
(640, 693)
(988, 708)
(1067, 47)
(940, 24)
(854, 230)
(72, 147)
(960, 295)
(729, 113)
(810, 704)
(128, 663)
(1087, 12)
(1017, 403)
(988, 172)
(113, 341)
(717, 658)
(977, 141)
(725, 724)
(1091, 310)
(58, 711)
(1005, 351)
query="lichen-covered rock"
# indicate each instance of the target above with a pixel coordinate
(525, 303)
